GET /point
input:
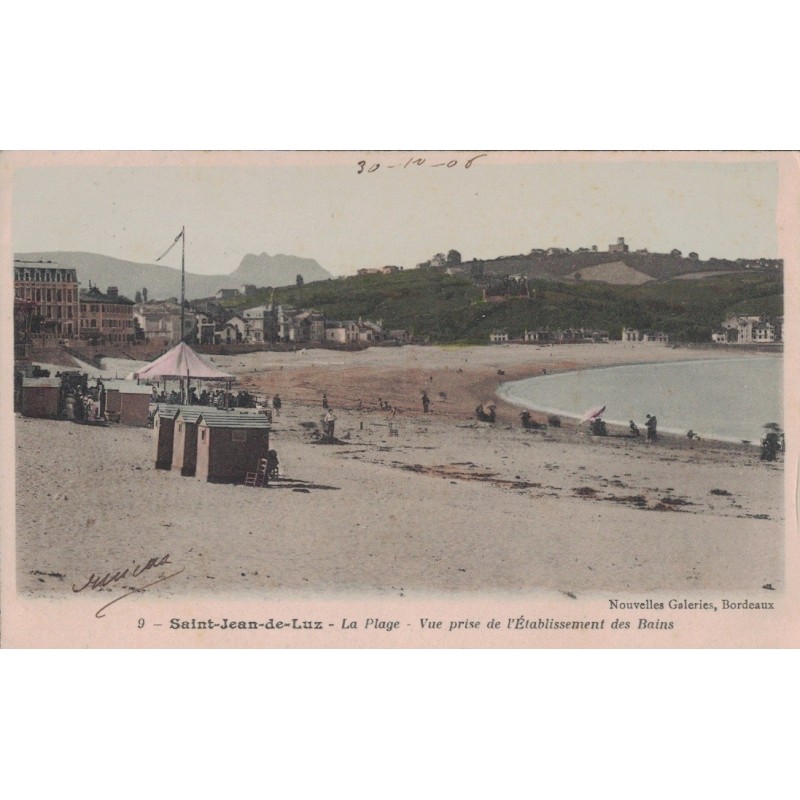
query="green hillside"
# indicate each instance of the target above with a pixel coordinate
(444, 308)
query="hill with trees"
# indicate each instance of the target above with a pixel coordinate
(440, 307)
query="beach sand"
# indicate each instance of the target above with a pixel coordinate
(448, 505)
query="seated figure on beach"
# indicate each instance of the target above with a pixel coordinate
(272, 464)
(598, 427)
(485, 416)
(529, 422)
(634, 428)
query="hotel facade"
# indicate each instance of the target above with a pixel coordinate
(54, 292)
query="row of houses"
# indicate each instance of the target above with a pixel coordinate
(277, 323)
(563, 336)
(620, 246)
(387, 270)
(758, 329)
(574, 335)
(49, 302)
(636, 335)
(265, 324)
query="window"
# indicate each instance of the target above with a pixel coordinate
(203, 435)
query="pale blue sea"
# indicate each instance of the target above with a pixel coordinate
(726, 399)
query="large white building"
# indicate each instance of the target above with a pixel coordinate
(753, 329)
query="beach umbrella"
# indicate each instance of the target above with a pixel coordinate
(593, 413)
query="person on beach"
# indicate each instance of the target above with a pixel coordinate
(651, 426)
(324, 400)
(272, 465)
(770, 445)
(328, 423)
(425, 402)
(634, 428)
(276, 404)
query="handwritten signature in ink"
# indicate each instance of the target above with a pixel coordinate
(111, 578)
(365, 167)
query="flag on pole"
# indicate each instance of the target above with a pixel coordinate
(177, 238)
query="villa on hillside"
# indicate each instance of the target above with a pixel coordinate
(387, 270)
(349, 331)
(754, 329)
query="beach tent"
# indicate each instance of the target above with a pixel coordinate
(178, 364)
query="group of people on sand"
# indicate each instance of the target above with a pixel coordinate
(651, 423)
(217, 398)
(82, 402)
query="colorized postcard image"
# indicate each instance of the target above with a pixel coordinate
(399, 399)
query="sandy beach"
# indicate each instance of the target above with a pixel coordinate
(447, 505)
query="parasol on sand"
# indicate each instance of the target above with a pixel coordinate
(593, 413)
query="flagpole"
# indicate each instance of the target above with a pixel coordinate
(183, 279)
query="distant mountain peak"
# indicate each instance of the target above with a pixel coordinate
(163, 281)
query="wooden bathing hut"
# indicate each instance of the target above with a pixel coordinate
(40, 397)
(229, 445)
(164, 434)
(127, 403)
(184, 445)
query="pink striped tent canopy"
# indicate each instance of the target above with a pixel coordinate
(181, 362)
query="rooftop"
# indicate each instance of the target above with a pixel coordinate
(95, 295)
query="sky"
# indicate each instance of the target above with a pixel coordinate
(346, 217)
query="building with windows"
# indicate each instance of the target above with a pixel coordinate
(756, 329)
(635, 335)
(160, 322)
(106, 317)
(53, 291)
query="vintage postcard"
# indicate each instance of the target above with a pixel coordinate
(400, 399)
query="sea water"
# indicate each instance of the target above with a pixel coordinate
(726, 399)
